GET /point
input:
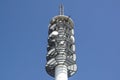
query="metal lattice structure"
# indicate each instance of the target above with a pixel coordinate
(61, 44)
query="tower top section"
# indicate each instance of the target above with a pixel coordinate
(61, 57)
(61, 17)
(61, 9)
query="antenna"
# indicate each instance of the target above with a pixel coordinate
(61, 57)
(61, 9)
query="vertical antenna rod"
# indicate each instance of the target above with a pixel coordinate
(61, 9)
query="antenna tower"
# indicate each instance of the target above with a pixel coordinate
(61, 57)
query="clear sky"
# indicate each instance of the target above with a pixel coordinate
(24, 31)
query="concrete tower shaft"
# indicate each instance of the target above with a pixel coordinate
(61, 57)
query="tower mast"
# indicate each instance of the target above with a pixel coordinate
(61, 57)
(61, 9)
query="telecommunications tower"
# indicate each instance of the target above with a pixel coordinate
(61, 57)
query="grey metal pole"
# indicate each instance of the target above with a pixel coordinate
(61, 72)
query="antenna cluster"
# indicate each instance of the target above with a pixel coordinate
(61, 57)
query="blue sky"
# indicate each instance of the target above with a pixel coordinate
(24, 31)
